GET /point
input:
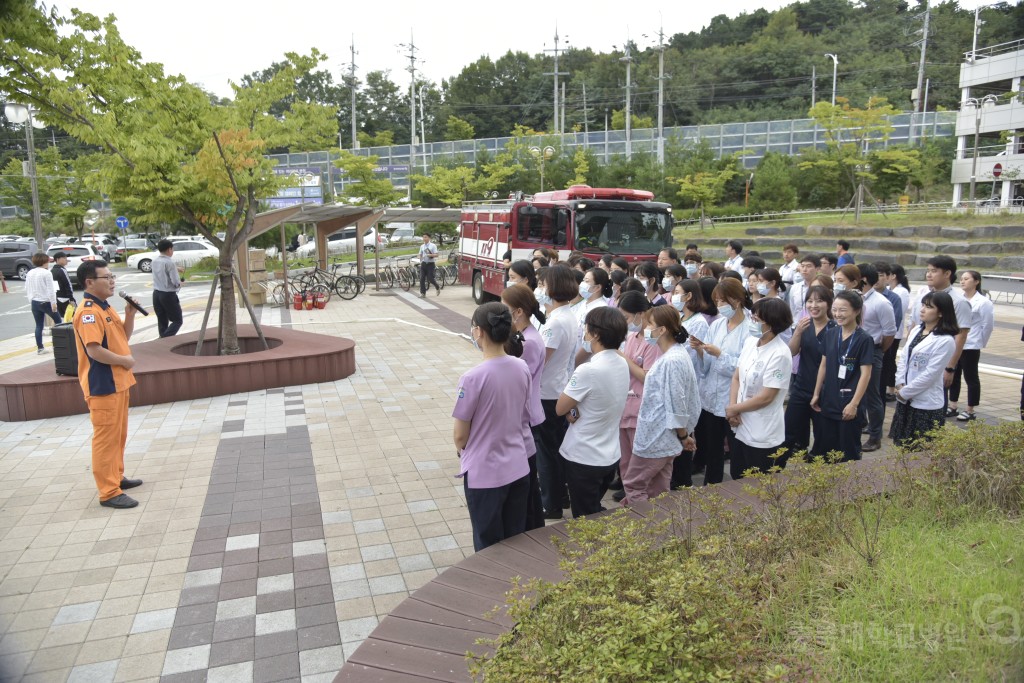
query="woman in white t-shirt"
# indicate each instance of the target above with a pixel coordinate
(593, 402)
(559, 336)
(982, 323)
(759, 386)
(595, 290)
(39, 288)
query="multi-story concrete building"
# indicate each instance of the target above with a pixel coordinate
(989, 163)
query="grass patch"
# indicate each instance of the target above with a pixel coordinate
(822, 581)
(942, 603)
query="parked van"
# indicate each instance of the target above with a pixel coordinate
(403, 233)
(341, 242)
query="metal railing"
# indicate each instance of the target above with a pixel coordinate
(980, 206)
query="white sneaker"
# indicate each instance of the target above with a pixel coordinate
(40, 352)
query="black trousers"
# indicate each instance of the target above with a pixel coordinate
(534, 507)
(743, 457)
(427, 276)
(710, 433)
(889, 367)
(838, 435)
(63, 306)
(800, 421)
(967, 368)
(550, 463)
(587, 486)
(496, 513)
(682, 470)
(168, 313)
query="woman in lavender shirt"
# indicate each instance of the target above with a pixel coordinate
(491, 412)
(526, 343)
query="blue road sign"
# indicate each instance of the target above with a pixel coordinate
(121, 222)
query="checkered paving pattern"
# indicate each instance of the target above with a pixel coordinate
(275, 529)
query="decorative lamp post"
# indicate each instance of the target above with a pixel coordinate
(835, 66)
(978, 104)
(543, 155)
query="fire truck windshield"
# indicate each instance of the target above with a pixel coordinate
(622, 231)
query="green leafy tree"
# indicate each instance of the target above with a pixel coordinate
(773, 185)
(636, 121)
(849, 132)
(168, 148)
(63, 187)
(367, 187)
(458, 129)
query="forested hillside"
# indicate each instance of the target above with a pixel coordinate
(755, 66)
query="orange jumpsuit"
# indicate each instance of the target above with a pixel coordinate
(106, 391)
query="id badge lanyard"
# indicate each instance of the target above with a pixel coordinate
(842, 354)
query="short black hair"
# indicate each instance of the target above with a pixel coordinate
(855, 300)
(633, 302)
(755, 262)
(163, 245)
(774, 313)
(585, 264)
(883, 267)
(868, 273)
(560, 283)
(831, 258)
(621, 263)
(810, 258)
(672, 253)
(87, 270)
(736, 246)
(943, 262)
(524, 269)
(59, 254)
(844, 244)
(608, 325)
(692, 247)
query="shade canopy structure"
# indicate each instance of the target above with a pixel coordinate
(327, 219)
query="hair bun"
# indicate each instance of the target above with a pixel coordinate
(504, 317)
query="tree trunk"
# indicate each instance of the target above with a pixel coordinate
(227, 327)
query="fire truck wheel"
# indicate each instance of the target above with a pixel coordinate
(479, 296)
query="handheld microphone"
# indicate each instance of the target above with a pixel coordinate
(132, 302)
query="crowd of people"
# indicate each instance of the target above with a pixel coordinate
(602, 374)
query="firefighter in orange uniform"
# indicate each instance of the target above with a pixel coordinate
(105, 371)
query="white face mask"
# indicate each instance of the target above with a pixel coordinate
(541, 293)
(691, 269)
(653, 341)
(726, 311)
(838, 287)
(667, 284)
(677, 302)
(588, 346)
(644, 282)
(633, 327)
(798, 277)
(762, 289)
(585, 290)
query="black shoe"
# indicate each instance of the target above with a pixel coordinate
(870, 446)
(130, 483)
(552, 515)
(889, 398)
(616, 485)
(120, 502)
(438, 288)
(966, 417)
(618, 496)
(951, 412)
(565, 502)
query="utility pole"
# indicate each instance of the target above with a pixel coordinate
(561, 127)
(628, 59)
(918, 99)
(835, 68)
(555, 127)
(586, 122)
(423, 129)
(352, 87)
(412, 109)
(814, 84)
(661, 95)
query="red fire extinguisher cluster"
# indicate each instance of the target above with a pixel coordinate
(309, 300)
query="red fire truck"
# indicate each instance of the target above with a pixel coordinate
(595, 221)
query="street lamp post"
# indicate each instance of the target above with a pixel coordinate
(977, 103)
(543, 155)
(835, 66)
(20, 113)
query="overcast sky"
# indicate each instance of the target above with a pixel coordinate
(213, 41)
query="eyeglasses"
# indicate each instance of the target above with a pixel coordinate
(109, 278)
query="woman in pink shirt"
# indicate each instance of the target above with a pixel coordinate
(640, 356)
(491, 412)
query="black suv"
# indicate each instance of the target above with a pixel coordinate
(16, 258)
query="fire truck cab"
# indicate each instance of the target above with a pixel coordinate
(595, 221)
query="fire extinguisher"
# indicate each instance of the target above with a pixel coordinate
(297, 301)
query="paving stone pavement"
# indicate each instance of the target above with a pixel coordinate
(275, 528)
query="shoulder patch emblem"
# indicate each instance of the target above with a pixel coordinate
(87, 318)
(87, 304)
(462, 393)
